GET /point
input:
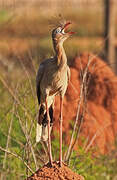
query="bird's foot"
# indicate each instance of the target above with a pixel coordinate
(60, 163)
(65, 163)
(50, 164)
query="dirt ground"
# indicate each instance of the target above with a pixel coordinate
(55, 173)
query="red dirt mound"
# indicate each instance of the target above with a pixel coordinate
(55, 173)
(100, 123)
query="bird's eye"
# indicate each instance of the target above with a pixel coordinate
(58, 30)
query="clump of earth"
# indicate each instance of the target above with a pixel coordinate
(55, 173)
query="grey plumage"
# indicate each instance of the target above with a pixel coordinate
(52, 79)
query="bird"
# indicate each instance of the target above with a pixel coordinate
(52, 79)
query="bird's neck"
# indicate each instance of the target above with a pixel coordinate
(60, 55)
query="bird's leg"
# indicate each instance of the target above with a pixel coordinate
(49, 138)
(60, 129)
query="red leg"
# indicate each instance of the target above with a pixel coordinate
(60, 130)
(49, 138)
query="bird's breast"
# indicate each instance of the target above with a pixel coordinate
(54, 81)
(59, 83)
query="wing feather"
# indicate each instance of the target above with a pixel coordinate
(38, 80)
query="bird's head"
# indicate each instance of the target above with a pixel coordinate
(59, 34)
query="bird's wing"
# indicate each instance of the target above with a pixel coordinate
(38, 80)
(68, 73)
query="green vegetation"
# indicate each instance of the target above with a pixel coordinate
(102, 167)
(4, 15)
(17, 133)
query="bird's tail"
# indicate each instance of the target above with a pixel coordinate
(42, 124)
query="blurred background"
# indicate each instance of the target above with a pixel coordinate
(26, 26)
(25, 41)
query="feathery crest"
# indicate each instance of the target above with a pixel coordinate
(56, 21)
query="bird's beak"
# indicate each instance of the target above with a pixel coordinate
(66, 27)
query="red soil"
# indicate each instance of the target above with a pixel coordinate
(55, 173)
(100, 122)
